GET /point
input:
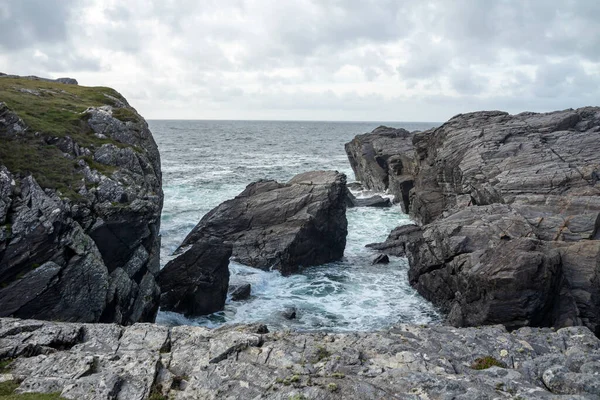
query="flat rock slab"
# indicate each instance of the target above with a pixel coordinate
(86, 361)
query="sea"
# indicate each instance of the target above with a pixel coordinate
(207, 162)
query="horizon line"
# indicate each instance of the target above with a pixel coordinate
(289, 120)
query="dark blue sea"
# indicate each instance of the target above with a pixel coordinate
(207, 162)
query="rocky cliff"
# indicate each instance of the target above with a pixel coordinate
(97, 361)
(509, 208)
(80, 204)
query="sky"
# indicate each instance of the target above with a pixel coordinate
(351, 60)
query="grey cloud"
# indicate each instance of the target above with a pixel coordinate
(24, 23)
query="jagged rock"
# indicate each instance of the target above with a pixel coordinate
(289, 313)
(280, 226)
(79, 224)
(510, 214)
(96, 361)
(373, 201)
(195, 283)
(240, 292)
(381, 259)
(384, 159)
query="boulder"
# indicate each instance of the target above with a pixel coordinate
(509, 215)
(281, 226)
(373, 201)
(148, 361)
(381, 259)
(240, 292)
(196, 282)
(289, 313)
(384, 160)
(80, 204)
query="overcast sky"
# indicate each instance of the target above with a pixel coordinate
(376, 60)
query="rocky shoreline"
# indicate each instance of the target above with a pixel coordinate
(98, 361)
(508, 212)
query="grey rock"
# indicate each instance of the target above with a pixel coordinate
(278, 226)
(373, 201)
(384, 160)
(196, 282)
(289, 313)
(381, 259)
(509, 209)
(240, 292)
(92, 255)
(97, 361)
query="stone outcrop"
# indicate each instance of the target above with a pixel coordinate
(97, 361)
(383, 160)
(80, 204)
(281, 226)
(509, 208)
(196, 282)
(372, 201)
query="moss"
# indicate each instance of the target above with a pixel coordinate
(125, 115)
(50, 110)
(338, 375)
(487, 362)
(5, 365)
(7, 392)
(322, 353)
(297, 397)
(46, 163)
(332, 387)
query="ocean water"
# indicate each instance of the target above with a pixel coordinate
(207, 162)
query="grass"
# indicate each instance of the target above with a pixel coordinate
(7, 392)
(54, 110)
(5, 365)
(487, 362)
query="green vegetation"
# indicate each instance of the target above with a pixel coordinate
(322, 353)
(332, 387)
(5, 365)
(487, 362)
(52, 110)
(297, 397)
(7, 392)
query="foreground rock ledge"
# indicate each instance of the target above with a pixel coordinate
(97, 361)
(281, 226)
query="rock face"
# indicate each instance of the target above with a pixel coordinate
(509, 208)
(384, 160)
(196, 282)
(272, 225)
(95, 361)
(373, 201)
(80, 204)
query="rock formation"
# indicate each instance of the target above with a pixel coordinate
(509, 208)
(196, 282)
(281, 226)
(96, 361)
(383, 160)
(80, 204)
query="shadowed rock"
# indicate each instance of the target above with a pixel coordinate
(240, 292)
(272, 225)
(196, 282)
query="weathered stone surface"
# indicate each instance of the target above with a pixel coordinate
(84, 361)
(271, 225)
(196, 282)
(87, 250)
(240, 292)
(510, 209)
(384, 160)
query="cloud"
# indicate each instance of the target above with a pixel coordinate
(310, 59)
